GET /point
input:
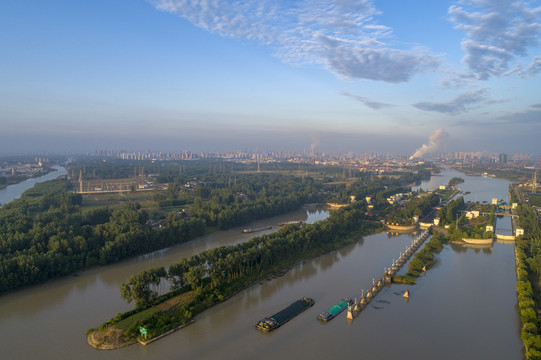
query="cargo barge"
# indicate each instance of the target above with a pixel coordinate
(335, 310)
(280, 318)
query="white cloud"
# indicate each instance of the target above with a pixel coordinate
(460, 104)
(340, 35)
(498, 32)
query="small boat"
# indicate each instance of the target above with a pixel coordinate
(248, 231)
(272, 322)
(293, 222)
(332, 312)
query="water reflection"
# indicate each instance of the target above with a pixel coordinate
(395, 233)
(463, 248)
(303, 271)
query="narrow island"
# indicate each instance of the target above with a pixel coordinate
(212, 276)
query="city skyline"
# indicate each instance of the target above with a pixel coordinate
(326, 76)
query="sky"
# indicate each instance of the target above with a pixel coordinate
(270, 75)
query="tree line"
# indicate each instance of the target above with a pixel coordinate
(528, 256)
(45, 234)
(215, 273)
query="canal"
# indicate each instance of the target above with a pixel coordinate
(465, 307)
(12, 192)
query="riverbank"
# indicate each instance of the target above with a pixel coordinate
(406, 228)
(13, 190)
(108, 339)
(17, 179)
(486, 241)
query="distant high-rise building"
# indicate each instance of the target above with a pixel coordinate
(503, 158)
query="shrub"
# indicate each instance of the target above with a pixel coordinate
(404, 279)
(530, 327)
(527, 314)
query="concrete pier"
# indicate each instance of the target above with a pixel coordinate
(388, 274)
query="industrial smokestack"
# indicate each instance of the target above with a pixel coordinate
(435, 141)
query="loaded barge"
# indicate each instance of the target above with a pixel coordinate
(335, 310)
(283, 316)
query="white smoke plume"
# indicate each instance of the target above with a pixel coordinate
(435, 141)
(315, 142)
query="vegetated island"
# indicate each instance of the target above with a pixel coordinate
(214, 275)
(455, 181)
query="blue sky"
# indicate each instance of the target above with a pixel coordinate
(343, 75)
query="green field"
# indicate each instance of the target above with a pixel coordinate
(118, 199)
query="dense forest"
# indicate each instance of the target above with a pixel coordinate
(44, 234)
(225, 201)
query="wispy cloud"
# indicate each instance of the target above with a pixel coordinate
(498, 31)
(460, 104)
(529, 71)
(340, 35)
(529, 116)
(375, 105)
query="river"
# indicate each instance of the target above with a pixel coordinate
(12, 192)
(465, 307)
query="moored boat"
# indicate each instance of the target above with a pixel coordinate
(333, 311)
(283, 316)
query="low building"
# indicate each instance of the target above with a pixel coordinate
(472, 214)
